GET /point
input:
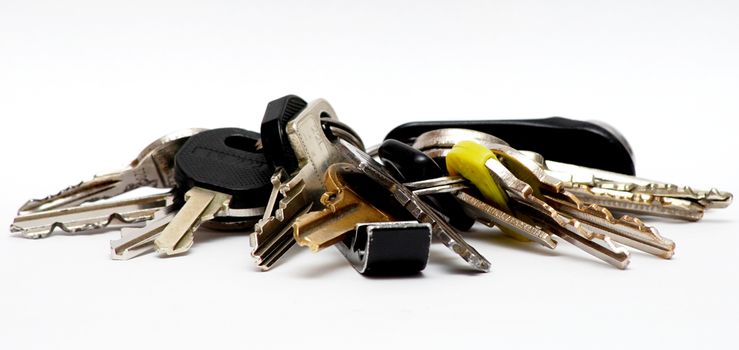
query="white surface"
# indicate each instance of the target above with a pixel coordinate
(85, 85)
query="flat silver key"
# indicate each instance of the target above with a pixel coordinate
(93, 216)
(153, 167)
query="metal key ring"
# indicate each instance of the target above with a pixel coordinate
(343, 131)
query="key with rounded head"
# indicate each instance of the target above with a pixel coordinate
(215, 171)
(153, 167)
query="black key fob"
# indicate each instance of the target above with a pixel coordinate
(560, 139)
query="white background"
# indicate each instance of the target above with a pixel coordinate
(85, 84)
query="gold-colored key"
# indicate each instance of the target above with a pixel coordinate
(344, 208)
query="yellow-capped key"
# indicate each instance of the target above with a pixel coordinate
(468, 159)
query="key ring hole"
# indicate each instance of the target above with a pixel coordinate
(241, 143)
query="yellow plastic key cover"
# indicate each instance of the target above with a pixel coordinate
(468, 158)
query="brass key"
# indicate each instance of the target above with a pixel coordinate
(344, 207)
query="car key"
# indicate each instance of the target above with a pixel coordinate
(152, 168)
(555, 138)
(214, 171)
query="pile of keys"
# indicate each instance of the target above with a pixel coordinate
(307, 178)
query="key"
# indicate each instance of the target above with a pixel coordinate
(214, 170)
(634, 194)
(297, 134)
(136, 241)
(95, 216)
(152, 168)
(413, 205)
(556, 138)
(479, 165)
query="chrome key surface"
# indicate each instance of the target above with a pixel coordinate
(153, 167)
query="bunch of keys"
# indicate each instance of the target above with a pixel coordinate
(306, 178)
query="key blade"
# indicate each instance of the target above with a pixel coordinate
(595, 244)
(200, 205)
(89, 217)
(642, 204)
(626, 230)
(98, 188)
(271, 239)
(153, 167)
(488, 213)
(140, 240)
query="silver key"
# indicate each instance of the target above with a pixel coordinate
(90, 217)
(273, 235)
(140, 240)
(153, 167)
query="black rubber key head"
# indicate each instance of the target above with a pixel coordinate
(408, 164)
(275, 143)
(565, 140)
(227, 161)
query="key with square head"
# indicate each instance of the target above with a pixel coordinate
(479, 165)
(152, 168)
(214, 171)
(296, 138)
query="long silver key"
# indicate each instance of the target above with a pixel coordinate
(93, 216)
(153, 167)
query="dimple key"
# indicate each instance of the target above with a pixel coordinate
(214, 171)
(153, 167)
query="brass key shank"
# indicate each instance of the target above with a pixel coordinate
(344, 207)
